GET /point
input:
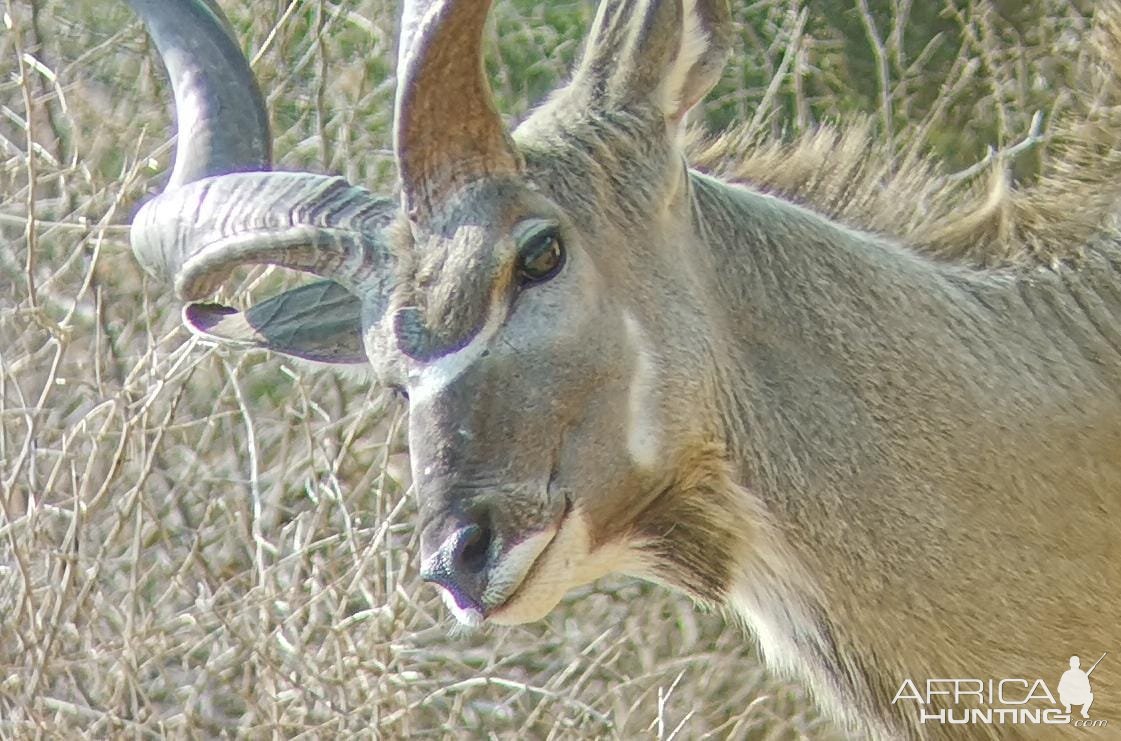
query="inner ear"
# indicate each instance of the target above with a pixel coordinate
(320, 321)
(702, 54)
(666, 52)
(630, 47)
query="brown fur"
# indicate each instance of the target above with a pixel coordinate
(695, 529)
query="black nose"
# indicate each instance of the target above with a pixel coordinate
(459, 565)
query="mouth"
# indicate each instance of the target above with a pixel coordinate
(517, 570)
(509, 578)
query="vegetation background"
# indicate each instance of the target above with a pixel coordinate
(195, 543)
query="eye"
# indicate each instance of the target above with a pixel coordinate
(541, 257)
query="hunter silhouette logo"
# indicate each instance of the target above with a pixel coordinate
(1009, 700)
(1074, 687)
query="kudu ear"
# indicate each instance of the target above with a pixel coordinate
(321, 321)
(223, 209)
(666, 52)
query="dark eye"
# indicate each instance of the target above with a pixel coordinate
(541, 258)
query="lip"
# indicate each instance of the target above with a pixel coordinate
(533, 557)
(537, 546)
(508, 577)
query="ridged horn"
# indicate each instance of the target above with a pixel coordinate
(217, 213)
(447, 131)
(318, 224)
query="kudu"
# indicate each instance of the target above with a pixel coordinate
(889, 466)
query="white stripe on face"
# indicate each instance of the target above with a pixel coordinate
(644, 430)
(429, 380)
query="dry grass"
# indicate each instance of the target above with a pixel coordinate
(195, 543)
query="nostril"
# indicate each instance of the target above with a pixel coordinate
(473, 548)
(460, 565)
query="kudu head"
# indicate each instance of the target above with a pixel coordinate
(534, 292)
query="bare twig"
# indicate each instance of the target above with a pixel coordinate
(883, 72)
(1034, 137)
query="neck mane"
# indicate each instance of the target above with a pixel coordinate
(977, 219)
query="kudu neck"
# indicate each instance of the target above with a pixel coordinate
(883, 408)
(841, 344)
